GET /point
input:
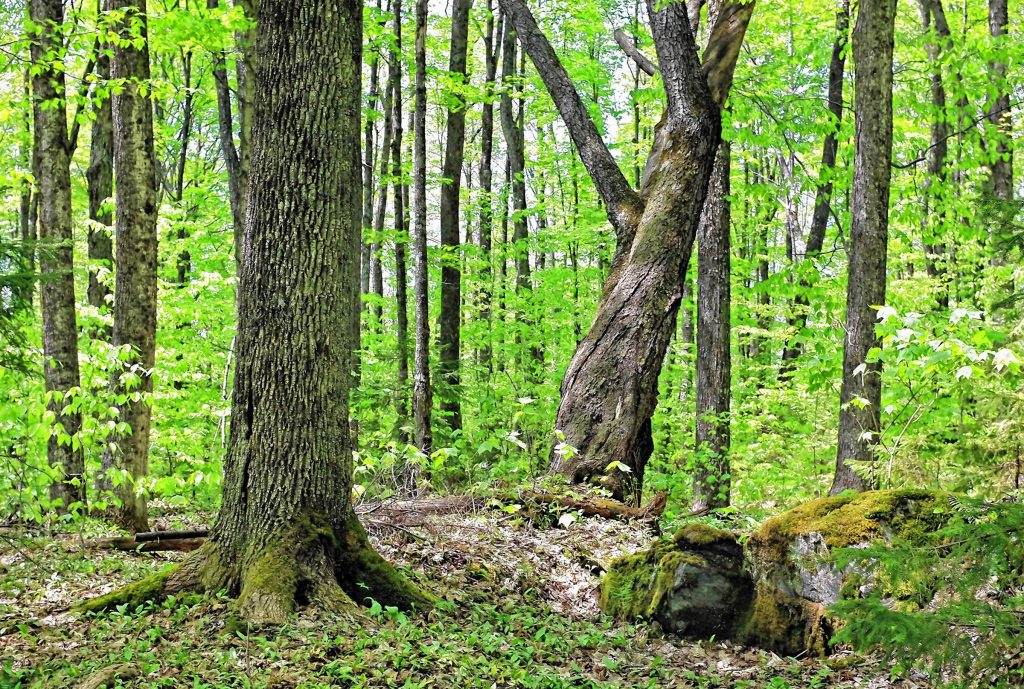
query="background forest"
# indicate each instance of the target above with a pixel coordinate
(476, 293)
(529, 251)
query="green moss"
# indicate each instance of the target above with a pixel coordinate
(785, 624)
(697, 534)
(634, 585)
(845, 521)
(365, 574)
(152, 588)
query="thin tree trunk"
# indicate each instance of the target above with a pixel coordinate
(711, 480)
(861, 394)
(823, 194)
(184, 258)
(422, 395)
(376, 244)
(515, 147)
(57, 290)
(401, 232)
(934, 212)
(486, 180)
(230, 153)
(1000, 115)
(99, 178)
(449, 321)
(135, 287)
(369, 129)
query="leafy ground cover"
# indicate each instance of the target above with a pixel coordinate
(519, 610)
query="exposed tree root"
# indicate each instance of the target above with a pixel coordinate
(305, 565)
(153, 587)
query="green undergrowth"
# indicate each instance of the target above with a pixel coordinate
(485, 632)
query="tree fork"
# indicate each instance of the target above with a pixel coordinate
(609, 391)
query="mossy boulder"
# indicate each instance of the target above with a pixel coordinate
(795, 581)
(693, 585)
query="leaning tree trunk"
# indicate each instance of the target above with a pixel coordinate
(286, 533)
(56, 260)
(135, 284)
(609, 391)
(450, 318)
(861, 393)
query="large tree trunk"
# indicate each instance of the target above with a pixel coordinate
(99, 178)
(135, 285)
(610, 388)
(711, 482)
(823, 193)
(861, 393)
(421, 392)
(53, 176)
(286, 534)
(451, 275)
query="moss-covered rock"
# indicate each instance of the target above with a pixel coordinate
(795, 581)
(692, 585)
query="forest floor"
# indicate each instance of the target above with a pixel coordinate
(519, 610)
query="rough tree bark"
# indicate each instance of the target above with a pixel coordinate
(286, 534)
(56, 262)
(711, 482)
(823, 194)
(861, 392)
(609, 391)
(421, 393)
(135, 284)
(99, 177)
(450, 319)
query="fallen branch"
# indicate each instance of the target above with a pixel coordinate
(153, 541)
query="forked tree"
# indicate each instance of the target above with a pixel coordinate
(286, 533)
(609, 391)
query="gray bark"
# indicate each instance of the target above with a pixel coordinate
(286, 533)
(610, 388)
(451, 275)
(135, 285)
(56, 263)
(422, 395)
(861, 392)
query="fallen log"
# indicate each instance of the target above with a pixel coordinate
(597, 506)
(153, 541)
